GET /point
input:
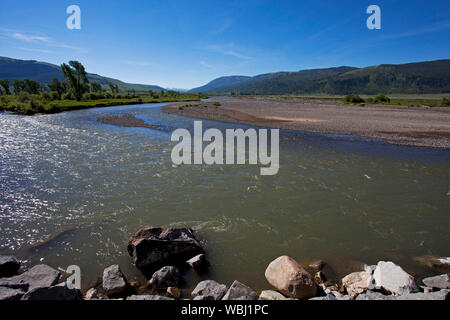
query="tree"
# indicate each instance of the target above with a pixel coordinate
(18, 86)
(58, 87)
(5, 85)
(114, 88)
(96, 87)
(31, 86)
(76, 77)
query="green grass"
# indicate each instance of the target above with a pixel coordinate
(32, 104)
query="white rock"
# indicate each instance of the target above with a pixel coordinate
(272, 295)
(394, 279)
(357, 282)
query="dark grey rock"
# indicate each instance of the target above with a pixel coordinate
(152, 247)
(327, 297)
(439, 282)
(39, 276)
(198, 263)
(148, 297)
(114, 282)
(437, 295)
(209, 290)
(238, 290)
(7, 294)
(371, 295)
(58, 292)
(165, 277)
(9, 266)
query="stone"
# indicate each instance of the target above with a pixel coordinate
(371, 295)
(153, 247)
(198, 263)
(340, 296)
(209, 290)
(14, 284)
(173, 292)
(167, 276)
(438, 263)
(114, 282)
(437, 295)
(40, 275)
(239, 290)
(148, 297)
(290, 278)
(320, 277)
(327, 297)
(7, 294)
(91, 294)
(53, 293)
(272, 295)
(394, 279)
(439, 282)
(9, 266)
(357, 282)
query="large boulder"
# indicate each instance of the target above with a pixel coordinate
(438, 282)
(394, 279)
(9, 266)
(209, 290)
(152, 247)
(290, 278)
(239, 291)
(114, 282)
(39, 276)
(198, 263)
(148, 297)
(58, 292)
(357, 282)
(7, 294)
(165, 277)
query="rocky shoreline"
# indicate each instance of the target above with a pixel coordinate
(163, 253)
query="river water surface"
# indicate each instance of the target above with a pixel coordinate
(86, 187)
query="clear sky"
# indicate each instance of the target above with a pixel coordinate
(186, 43)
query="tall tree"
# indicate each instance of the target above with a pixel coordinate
(5, 85)
(76, 77)
(57, 86)
(96, 87)
(114, 88)
(18, 86)
(31, 86)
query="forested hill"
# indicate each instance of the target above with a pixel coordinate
(421, 77)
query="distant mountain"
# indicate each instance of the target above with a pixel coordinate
(44, 72)
(221, 82)
(422, 77)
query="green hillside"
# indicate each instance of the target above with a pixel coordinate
(43, 73)
(411, 78)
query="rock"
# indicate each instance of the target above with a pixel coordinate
(272, 295)
(357, 282)
(9, 266)
(439, 282)
(152, 247)
(58, 292)
(371, 295)
(167, 276)
(209, 290)
(438, 263)
(317, 265)
(90, 294)
(394, 279)
(320, 277)
(39, 276)
(239, 290)
(114, 282)
(7, 294)
(173, 292)
(327, 297)
(148, 297)
(437, 295)
(198, 263)
(340, 296)
(14, 284)
(288, 277)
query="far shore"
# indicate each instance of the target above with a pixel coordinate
(415, 126)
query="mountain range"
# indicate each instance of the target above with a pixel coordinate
(417, 78)
(44, 72)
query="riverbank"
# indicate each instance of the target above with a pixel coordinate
(166, 255)
(416, 126)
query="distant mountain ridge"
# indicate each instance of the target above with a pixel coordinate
(44, 72)
(419, 77)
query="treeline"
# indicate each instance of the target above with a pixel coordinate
(76, 91)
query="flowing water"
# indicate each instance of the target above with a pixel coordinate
(73, 190)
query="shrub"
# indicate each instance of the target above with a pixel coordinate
(68, 96)
(216, 103)
(180, 107)
(369, 100)
(381, 98)
(54, 95)
(23, 97)
(445, 101)
(353, 98)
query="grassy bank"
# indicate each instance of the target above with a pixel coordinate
(27, 104)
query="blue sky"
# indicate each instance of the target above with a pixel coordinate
(184, 44)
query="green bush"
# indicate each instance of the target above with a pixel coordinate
(23, 97)
(54, 95)
(353, 98)
(180, 107)
(380, 98)
(445, 101)
(68, 96)
(216, 103)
